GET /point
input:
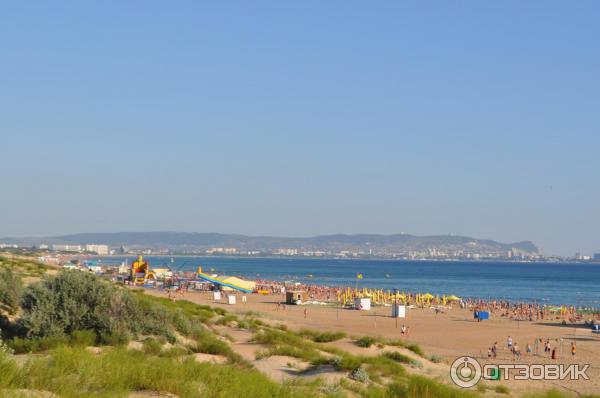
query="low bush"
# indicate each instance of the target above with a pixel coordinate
(366, 341)
(322, 337)
(436, 359)
(398, 357)
(359, 374)
(75, 300)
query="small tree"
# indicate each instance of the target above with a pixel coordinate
(11, 290)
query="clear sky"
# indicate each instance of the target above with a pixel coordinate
(301, 118)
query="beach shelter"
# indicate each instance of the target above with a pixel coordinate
(294, 296)
(453, 298)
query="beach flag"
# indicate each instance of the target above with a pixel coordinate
(359, 276)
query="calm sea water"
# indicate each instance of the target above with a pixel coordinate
(553, 283)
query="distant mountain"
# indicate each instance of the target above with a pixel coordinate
(359, 242)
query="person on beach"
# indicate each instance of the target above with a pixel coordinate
(573, 348)
(528, 349)
(495, 349)
(516, 352)
(403, 330)
(509, 343)
(305, 312)
(554, 353)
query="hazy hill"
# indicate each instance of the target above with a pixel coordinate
(188, 240)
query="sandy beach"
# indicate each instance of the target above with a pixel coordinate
(448, 335)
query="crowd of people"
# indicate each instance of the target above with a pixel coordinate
(550, 348)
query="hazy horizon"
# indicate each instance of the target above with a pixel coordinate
(302, 119)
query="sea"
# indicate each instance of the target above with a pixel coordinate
(543, 282)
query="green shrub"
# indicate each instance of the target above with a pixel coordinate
(359, 374)
(322, 337)
(416, 349)
(398, 357)
(75, 300)
(181, 322)
(436, 359)
(366, 341)
(11, 290)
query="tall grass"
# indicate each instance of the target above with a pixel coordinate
(286, 343)
(321, 337)
(74, 372)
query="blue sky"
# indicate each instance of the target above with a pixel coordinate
(302, 118)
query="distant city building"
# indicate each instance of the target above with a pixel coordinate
(5, 246)
(222, 250)
(101, 250)
(66, 248)
(286, 252)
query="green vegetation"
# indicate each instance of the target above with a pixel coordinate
(23, 267)
(322, 337)
(11, 290)
(75, 372)
(366, 341)
(286, 343)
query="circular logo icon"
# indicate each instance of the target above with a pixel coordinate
(465, 372)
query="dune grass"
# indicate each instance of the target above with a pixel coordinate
(74, 372)
(321, 337)
(23, 267)
(368, 341)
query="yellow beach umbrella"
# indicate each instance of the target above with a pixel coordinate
(453, 298)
